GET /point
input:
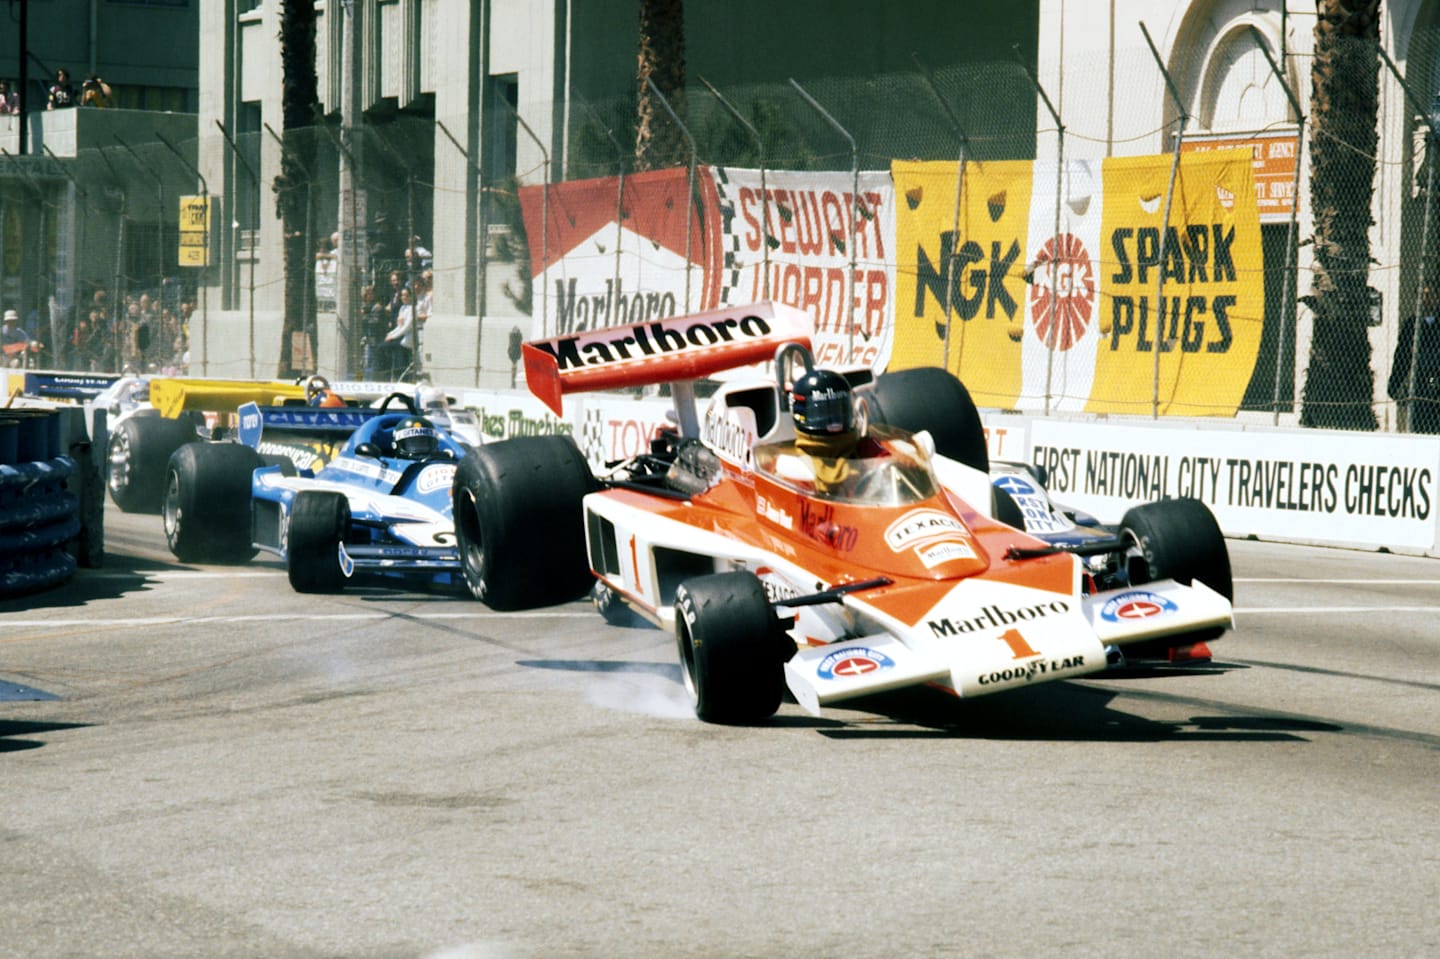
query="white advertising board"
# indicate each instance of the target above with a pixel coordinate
(1353, 489)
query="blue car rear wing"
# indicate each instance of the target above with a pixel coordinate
(255, 420)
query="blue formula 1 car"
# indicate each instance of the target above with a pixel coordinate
(381, 505)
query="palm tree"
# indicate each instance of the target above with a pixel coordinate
(658, 143)
(1339, 383)
(292, 187)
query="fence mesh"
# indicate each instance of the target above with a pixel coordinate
(1046, 286)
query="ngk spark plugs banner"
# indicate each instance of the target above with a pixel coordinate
(613, 250)
(1317, 486)
(1206, 326)
(796, 235)
(969, 255)
(1031, 319)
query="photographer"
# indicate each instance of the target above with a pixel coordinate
(94, 92)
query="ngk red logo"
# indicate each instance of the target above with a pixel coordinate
(1062, 292)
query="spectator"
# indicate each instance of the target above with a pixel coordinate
(425, 285)
(13, 339)
(1424, 403)
(62, 94)
(95, 92)
(9, 99)
(397, 285)
(397, 355)
(87, 343)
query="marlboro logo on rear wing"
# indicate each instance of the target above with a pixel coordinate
(661, 351)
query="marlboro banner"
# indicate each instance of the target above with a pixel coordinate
(611, 251)
(1034, 317)
(792, 243)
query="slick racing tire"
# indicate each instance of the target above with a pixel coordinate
(518, 521)
(319, 520)
(1176, 539)
(136, 460)
(931, 399)
(206, 503)
(730, 648)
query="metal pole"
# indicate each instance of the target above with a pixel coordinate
(119, 268)
(690, 182)
(311, 322)
(853, 205)
(205, 220)
(1055, 255)
(619, 203)
(159, 221)
(1432, 121)
(764, 193)
(482, 252)
(1292, 278)
(416, 365)
(357, 263)
(254, 238)
(544, 215)
(953, 261)
(159, 210)
(1165, 222)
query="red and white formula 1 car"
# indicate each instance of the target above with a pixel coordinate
(773, 575)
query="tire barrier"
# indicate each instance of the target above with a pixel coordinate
(49, 485)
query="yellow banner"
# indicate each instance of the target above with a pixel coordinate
(1207, 269)
(970, 257)
(972, 289)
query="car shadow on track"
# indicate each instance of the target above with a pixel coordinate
(11, 729)
(1068, 711)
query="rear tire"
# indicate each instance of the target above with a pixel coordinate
(319, 520)
(931, 399)
(1176, 539)
(519, 524)
(730, 645)
(137, 458)
(206, 503)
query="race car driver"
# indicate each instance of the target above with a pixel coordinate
(415, 439)
(827, 427)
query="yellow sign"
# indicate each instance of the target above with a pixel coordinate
(967, 263)
(1206, 326)
(196, 215)
(1085, 299)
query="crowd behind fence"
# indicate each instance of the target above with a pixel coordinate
(431, 201)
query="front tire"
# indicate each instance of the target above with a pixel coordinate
(519, 524)
(1176, 539)
(319, 520)
(136, 460)
(206, 502)
(730, 645)
(931, 399)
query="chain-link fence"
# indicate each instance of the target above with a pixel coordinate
(1084, 246)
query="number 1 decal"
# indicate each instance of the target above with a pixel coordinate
(1017, 644)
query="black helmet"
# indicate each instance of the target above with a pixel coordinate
(822, 404)
(415, 438)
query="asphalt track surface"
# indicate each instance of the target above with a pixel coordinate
(231, 769)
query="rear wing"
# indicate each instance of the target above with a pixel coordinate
(661, 351)
(307, 421)
(175, 395)
(68, 386)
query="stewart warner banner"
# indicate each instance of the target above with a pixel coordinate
(1041, 287)
(1069, 320)
(806, 261)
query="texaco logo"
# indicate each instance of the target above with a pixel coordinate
(1062, 314)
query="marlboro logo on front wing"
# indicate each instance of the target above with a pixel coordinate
(661, 351)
